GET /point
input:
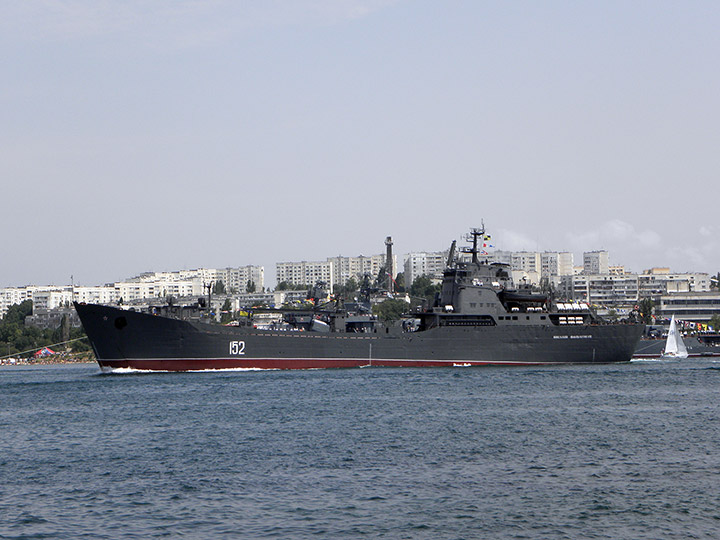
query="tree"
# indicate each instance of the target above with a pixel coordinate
(400, 282)
(287, 286)
(645, 309)
(351, 285)
(382, 281)
(250, 286)
(423, 288)
(390, 310)
(715, 322)
(218, 287)
(226, 312)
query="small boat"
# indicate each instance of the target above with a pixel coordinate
(674, 346)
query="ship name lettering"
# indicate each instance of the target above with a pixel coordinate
(237, 347)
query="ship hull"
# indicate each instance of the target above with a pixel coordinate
(128, 339)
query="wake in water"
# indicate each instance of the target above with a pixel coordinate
(134, 371)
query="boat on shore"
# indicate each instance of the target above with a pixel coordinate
(480, 318)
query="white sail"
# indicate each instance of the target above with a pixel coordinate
(674, 346)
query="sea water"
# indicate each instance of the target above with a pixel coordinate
(607, 451)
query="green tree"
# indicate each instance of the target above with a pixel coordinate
(250, 286)
(226, 312)
(645, 310)
(715, 322)
(390, 310)
(423, 289)
(218, 287)
(400, 282)
(351, 285)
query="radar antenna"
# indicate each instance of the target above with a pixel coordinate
(473, 236)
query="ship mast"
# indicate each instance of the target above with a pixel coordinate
(473, 236)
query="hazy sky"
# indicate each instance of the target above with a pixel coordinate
(170, 134)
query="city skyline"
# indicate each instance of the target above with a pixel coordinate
(139, 136)
(271, 281)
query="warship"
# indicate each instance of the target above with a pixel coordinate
(478, 318)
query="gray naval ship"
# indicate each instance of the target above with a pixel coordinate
(480, 318)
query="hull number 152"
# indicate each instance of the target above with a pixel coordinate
(237, 347)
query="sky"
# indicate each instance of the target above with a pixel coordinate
(162, 135)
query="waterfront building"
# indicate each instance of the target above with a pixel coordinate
(659, 281)
(689, 306)
(600, 289)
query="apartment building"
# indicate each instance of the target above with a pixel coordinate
(596, 262)
(431, 264)
(306, 272)
(345, 268)
(145, 286)
(600, 289)
(556, 263)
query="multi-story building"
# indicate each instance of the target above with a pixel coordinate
(504, 257)
(689, 306)
(130, 291)
(431, 264)
(596, 262)
(148, 285)
(11, 296)
(95, 295)
(659, 281)
(345, 268)
(306, 272)
(334, 270)
(527, 261)
(234, 279)
(556, 263)
(602, 290)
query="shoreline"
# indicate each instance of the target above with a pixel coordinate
(60, 358)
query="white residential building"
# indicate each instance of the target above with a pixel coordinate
(11, 296)
(556, 263)
(660, 281)
(345, 268)
(601, 289)
(306, 272)
(596, 262)
(527, 261)
(431, 264)
(145, 286)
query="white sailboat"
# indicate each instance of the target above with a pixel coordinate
(674, 346)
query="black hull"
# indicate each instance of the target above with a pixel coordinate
(128, 339)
